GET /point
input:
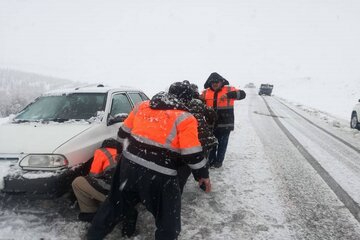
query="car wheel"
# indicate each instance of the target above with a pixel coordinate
(354, 123)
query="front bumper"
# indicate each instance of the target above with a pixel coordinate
(41, 183)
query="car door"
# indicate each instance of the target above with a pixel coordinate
(120, 105)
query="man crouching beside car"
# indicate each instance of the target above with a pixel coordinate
(91, 190)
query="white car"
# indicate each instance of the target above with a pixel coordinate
(250, 85)
(51, 141)
(355, 116)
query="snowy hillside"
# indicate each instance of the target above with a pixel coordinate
(18, 88)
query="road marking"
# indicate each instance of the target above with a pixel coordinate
(343, 196)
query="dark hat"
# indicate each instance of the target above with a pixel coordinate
(181, 90)
(195, 90)
(213, 78)
(112, 143)
(194, 87)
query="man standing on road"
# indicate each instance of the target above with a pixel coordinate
(157, 136)
(220, 96)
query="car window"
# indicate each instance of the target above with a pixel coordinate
(120, 104)
(144, 97)
(135, 97)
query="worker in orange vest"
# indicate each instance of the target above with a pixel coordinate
(91, 190)
(158, 136)
(220, 96)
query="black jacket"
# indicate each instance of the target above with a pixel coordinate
(103, 182)
(206, 118)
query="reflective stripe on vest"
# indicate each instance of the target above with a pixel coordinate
(173, 131)
(120, 140)
(125, 128)
(170, 138)
(148, 164)
(184, 151)
(210, 94)
(102, 183)
(199, 164)
(109, 158)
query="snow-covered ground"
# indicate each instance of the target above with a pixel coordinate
(244, 203)
(2, 120)
(336, 98)
(265, 190)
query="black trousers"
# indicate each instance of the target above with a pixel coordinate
(217, 154)
(132, 184)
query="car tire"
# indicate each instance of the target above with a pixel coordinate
(354, 122)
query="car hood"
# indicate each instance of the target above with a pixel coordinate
(25, 138)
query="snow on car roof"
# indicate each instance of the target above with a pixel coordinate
(91, 89)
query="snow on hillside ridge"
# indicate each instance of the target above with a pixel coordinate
(18, 88)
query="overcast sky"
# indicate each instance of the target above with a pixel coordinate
(150, 44)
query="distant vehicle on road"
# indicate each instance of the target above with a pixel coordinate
(250, 85)
(54, 138)
(355, 116)
(266, 89)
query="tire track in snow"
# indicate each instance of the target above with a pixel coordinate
(321, 128)
(343, 196)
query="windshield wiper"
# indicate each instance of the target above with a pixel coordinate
(57, 119)
(20, 120)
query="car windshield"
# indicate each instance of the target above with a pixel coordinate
(266, 86)
(63, 107)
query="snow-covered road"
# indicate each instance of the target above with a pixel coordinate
(265, 190)
(311, 208)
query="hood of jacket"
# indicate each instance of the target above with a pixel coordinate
(215, 77)
(166, 101)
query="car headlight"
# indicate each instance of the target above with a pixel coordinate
(35, 161)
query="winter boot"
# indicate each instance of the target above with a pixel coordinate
(217, 165)
(86, 217)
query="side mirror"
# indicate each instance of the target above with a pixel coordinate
(117, 118)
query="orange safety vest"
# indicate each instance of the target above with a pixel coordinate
(174, 130)
(228, 103)
(163, 128)
(104, 158)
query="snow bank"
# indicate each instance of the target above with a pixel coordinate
(3, 120)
